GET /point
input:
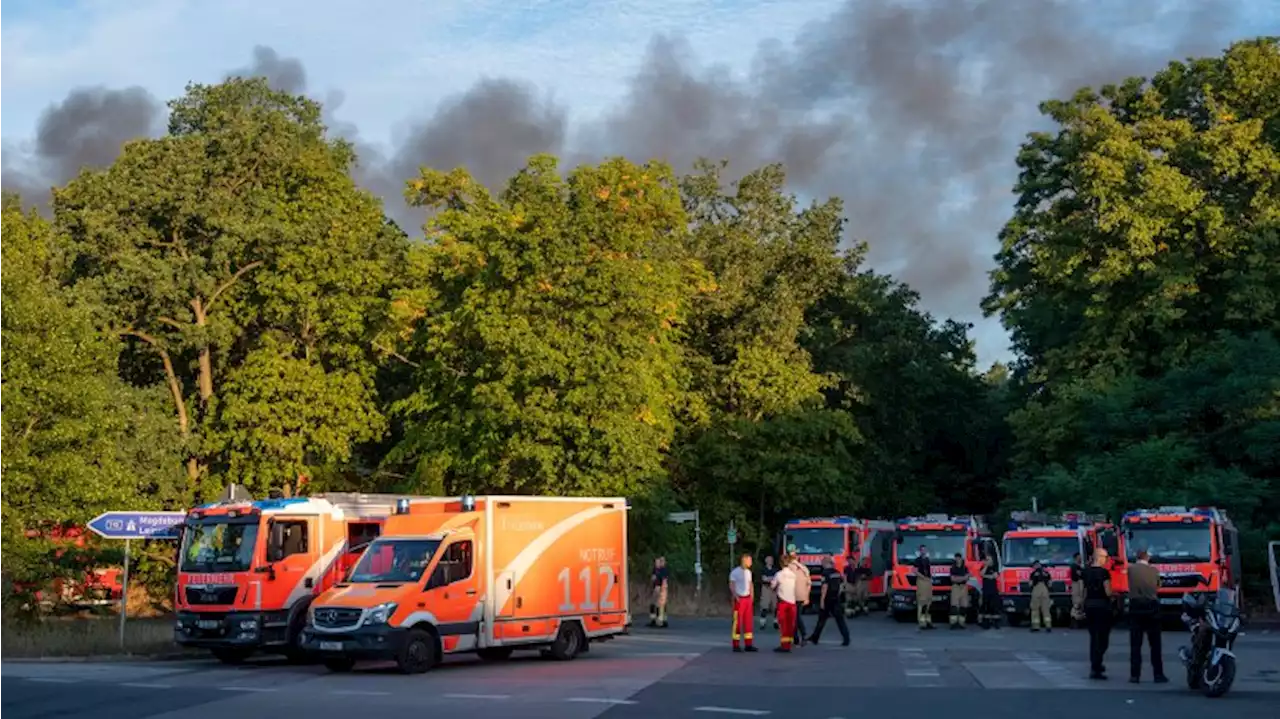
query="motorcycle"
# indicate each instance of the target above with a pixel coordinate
(1210, 660)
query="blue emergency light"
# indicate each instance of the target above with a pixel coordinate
(402, 506)
(468, 502)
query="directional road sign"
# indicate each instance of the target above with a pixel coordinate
(137, 525)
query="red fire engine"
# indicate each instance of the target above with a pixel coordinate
(1197, 550)
(868, 541)
(944, 536)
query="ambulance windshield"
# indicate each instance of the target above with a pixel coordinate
(1170, 543)
(817, 540)
(390, 560)
(1049, 551)
(942, 546)
(218, 546)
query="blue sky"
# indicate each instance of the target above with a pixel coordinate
(394, 61)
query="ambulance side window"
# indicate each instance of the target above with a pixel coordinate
(288, 537)
(454, 566)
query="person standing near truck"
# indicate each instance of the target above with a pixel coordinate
(785, 585)
(1041, 604)
(1097, 613)
(959, 591)
(991, 607)
(658, 608)
(1077, 590)
(924, 588)
(830, 603)
(741, 588)
(768, 597)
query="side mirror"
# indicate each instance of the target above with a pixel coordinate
(267, 569)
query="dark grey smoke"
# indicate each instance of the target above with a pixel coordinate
(283, 74)
(84, 130)
(491, 129)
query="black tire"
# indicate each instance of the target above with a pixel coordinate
(568, 643)
(340, 665)
(232, 655)
(495, 654)
(294, 653)
(1225, 676)
(419, 654)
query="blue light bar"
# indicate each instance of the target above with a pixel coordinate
(402, 506)
(468, 503)
(267, 504)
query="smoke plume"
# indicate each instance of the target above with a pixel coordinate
(909, 110)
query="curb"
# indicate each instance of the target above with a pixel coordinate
(159, 657)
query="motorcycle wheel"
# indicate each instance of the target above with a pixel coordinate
(1216, 681)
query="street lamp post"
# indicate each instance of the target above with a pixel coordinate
(695, 517)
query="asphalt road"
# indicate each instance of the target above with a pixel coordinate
(684, 671)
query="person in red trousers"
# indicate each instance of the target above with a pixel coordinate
(741, 588)
(784, 585)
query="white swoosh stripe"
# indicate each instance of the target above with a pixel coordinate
(527, 556)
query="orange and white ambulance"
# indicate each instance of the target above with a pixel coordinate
(485, 574)
(248, 570)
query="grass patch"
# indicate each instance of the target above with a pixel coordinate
(85, 637)
(682, 598)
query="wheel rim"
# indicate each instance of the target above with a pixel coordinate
(417, 655)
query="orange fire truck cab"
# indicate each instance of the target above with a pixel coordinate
(944, 536)
(868, 541)
(480, 574)
(248, 570)
(1197, 550)
(1054, 543)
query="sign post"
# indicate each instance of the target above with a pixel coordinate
(129, 526)
(695, 517)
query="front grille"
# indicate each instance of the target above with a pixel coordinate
(1055, 587)
(1180, 581)
(334, 617)
(211, 595)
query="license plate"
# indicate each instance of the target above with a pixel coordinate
(208, 624)
(1170, 600)
(330, 646)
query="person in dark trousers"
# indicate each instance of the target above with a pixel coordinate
(1097, 613)
(830, 603)
(1041, 602)
(991, 608)
(658, 609)
(924, 588)
(1077, 590)
(1144, 618)
(959, 591)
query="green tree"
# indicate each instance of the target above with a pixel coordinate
(1138, 279)
(235, 242)
(548, 355)
(934, 428)
(77, 441)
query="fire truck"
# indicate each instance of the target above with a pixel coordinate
(1053, 541)
(95, 587)
(869, 541)
(248, 570)
(944, 536)
(1197, 550)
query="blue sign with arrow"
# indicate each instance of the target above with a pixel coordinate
(137, 525)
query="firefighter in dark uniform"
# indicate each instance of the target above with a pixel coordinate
(924, 588)
(1041, 604)
(1077, 590)
(990, 594)
(831, 603)
(959, 591)
(658, 608)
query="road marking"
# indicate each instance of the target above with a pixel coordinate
(598, 700)
(1054, 673)
(248, 689)
(52, 680)
(477, 696)
(359, 693)
(731, 710)
(146, 685)
(917, 667)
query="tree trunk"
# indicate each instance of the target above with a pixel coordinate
(175, 391)
(205, 380)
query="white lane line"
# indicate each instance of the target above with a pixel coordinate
(1055, 674)
(248, 689)
(358, 693)
(52, 680)
(146, 685)
(731, 710)
(917, 667)
(476, 696)
(598, 700)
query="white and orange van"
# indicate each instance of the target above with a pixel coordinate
(479, 574)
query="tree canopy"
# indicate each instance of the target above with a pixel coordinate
(224, 304)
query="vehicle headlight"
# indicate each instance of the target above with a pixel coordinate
(380, 614)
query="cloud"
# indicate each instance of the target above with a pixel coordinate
(909, 110)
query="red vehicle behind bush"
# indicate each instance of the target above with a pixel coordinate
(88, 586)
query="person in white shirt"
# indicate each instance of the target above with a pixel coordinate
(742, 589)
(784, 584)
